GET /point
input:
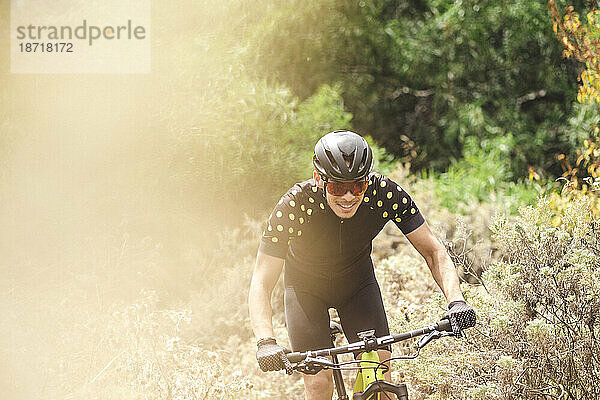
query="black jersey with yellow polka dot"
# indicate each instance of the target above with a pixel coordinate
(303, 229)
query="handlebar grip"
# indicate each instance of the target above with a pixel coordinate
(296, 357)
(444, 325)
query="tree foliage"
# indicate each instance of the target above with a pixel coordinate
(582, 42)
(423, 76)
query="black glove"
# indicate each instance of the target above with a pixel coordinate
(271, 356)
(461, 316)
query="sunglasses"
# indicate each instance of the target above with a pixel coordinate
(357, 188)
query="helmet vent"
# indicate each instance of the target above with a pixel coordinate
(363, 159)
(332, 161)
(348, 159)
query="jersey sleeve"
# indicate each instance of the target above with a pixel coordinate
(284, 224)
(393, 203)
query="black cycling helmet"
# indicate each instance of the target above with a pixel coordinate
(337, 148)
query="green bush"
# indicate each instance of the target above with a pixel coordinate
(538, 316)
(484, 175)
(553, 273)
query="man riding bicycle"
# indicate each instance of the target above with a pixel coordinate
(322, 230)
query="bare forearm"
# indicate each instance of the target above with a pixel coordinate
(444, 273)
(264, 278)
(259, 302)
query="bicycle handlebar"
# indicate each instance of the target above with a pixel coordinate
(442, 326)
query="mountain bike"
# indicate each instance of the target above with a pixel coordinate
(370, 383)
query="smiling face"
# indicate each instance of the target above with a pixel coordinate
(344, 206)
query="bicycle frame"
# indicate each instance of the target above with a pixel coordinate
(369, 386)
(365, 377)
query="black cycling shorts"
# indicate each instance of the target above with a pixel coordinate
(352, 291)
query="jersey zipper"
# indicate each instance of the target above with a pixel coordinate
(340, 234)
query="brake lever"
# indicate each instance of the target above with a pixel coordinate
(322, 361)
(431, 336)
(313, 365)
